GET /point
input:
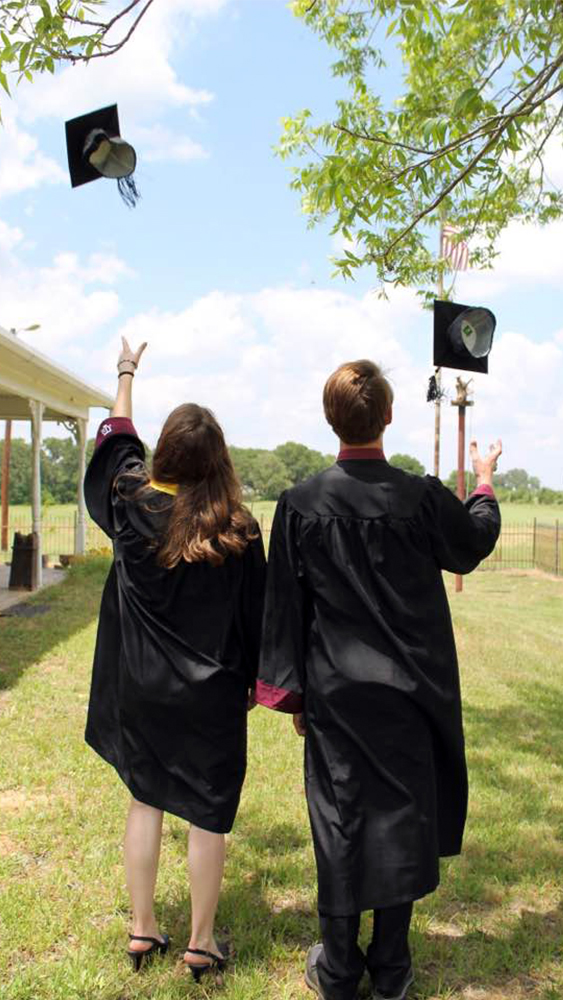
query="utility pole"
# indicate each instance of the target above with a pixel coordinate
(438, 375)
(462, 402)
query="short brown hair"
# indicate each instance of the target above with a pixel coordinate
(356, 399)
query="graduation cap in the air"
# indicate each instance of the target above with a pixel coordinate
(463, 336)
(95, 149)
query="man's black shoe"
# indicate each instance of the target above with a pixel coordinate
(409, 980)
(311, 974)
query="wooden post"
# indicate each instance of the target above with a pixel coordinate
(557, 547)
(5, 502)
(462, 402)
(36, 422)
(80, 531)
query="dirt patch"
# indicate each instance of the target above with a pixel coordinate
(447, 930)
(7, 846)
(15, 800)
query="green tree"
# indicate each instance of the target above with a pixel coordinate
(301, 462)
(20, 470)
(37, 34)
(245, 461)
(547, 496)
(59, 468)
(470, 482)
(408, 464)
(517, 479)
(464, 140)
(270, 476)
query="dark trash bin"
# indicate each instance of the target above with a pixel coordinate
(23, 571)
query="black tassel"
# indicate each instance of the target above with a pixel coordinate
(129, 191)
(432, 394)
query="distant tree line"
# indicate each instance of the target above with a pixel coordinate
(513, 486)
(264, 474)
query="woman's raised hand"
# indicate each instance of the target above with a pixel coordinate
(484, 467)
(128, 359)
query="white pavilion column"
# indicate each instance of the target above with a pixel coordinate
(36, 424)
(80, 533)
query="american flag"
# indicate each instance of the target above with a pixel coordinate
(455, 251)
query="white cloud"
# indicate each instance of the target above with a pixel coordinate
(213, 330)
(518, 402)
(10, 236)
(141, 76)
(260, 360)
(70, 299)
(530, 255)
(156, 144)
(22, 164)
(141, 73)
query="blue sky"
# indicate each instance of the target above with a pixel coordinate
(216, 267)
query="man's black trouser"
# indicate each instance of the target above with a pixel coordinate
(342, 963)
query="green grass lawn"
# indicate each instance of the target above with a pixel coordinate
(511, 512)
(519, 513)
(493, 931)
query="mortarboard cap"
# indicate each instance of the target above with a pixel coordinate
(95, 149)
(463, 336)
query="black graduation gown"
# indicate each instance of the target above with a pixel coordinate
(357, 632)
(177, 650)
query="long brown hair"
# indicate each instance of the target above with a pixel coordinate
(207, 518)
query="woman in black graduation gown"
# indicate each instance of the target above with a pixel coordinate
(358, 637)
(177, 648)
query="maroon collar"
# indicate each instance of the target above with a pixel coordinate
(352, 453)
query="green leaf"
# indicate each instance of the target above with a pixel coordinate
(465, 99)
(24, 52)
(4, 82)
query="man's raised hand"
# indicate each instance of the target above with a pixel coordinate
(484, 467)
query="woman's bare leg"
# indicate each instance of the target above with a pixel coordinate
(206, 860)
(143, 834)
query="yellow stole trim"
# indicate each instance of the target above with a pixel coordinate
(171, 488)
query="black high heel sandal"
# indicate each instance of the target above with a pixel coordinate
(157, 948)
(217, 964)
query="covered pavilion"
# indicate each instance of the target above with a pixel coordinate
(36, 389)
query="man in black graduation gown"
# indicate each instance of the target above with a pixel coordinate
(358, 645)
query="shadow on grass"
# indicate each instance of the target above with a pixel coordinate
(72, 605)
(484, 960)
(266, 900)
(246, 917)
(282, 838)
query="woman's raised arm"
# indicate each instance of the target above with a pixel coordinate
(127, 364)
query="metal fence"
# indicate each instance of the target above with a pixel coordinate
(527, 545)
(57, 534)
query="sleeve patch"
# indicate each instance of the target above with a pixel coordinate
(115, 425)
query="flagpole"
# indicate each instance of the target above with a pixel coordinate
(437, 402)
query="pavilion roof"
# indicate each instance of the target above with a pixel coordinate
(27, 374)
